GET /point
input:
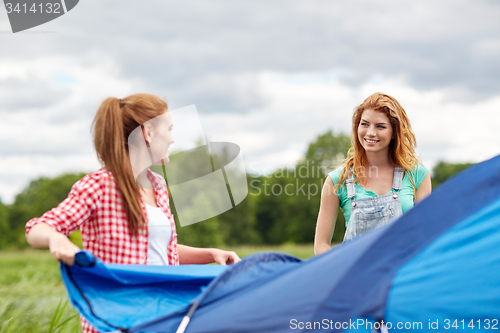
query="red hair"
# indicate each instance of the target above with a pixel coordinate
(112, 125)
(401, 149)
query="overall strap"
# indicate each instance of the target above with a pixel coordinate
(351, 186)
(398, 178)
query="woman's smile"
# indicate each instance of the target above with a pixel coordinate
(371, 142)
(374, 131)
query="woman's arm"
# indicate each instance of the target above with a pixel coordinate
(424, 189)
(42, 236)
(52, 228)
(195, 255)
(327, 216)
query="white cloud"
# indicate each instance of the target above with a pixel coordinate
(306, 105)
(17, 171)
(269, 76)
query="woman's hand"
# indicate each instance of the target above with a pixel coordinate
(222, 257)
(62, 248)
(199, 256)
(42, 236)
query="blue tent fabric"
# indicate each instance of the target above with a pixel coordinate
(457, 277)
(114, 297)
(253, 271)
(436, 266)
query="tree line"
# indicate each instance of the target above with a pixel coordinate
(281, 207)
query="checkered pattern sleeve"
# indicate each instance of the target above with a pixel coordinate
(75, 210)
(86, 327)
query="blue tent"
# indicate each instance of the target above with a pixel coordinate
(437, 268)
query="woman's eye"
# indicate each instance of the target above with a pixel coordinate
(380, 126)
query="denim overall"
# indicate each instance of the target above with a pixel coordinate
(369, 213)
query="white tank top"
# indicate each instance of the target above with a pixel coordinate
(160, 233)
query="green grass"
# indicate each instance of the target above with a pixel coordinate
(33, 298)
(301, 251)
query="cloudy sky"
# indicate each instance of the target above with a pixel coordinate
(267, 75)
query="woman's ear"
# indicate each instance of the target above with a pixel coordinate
(146, 133)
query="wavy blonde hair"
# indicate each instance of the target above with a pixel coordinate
(401, 148)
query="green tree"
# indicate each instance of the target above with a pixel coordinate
(273, 209)
(238, 224)
(4, 226)
(40, 196)
(203, 234)
(235, 226)
(288, 201)
(444, 170)
(328, 150)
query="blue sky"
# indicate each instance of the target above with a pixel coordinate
(269, 76)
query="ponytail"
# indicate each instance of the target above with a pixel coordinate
(112, 125)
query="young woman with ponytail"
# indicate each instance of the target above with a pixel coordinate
(120, 221)
(381, 178)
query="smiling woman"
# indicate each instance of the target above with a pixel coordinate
(381, 178)
(375, 131)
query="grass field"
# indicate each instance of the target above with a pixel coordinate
(33, 298)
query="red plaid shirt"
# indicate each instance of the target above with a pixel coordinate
(94, 206)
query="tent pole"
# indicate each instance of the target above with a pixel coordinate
(185, 321)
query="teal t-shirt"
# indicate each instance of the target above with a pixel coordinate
(405, 195)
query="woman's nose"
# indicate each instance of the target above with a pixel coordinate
(371, 131)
